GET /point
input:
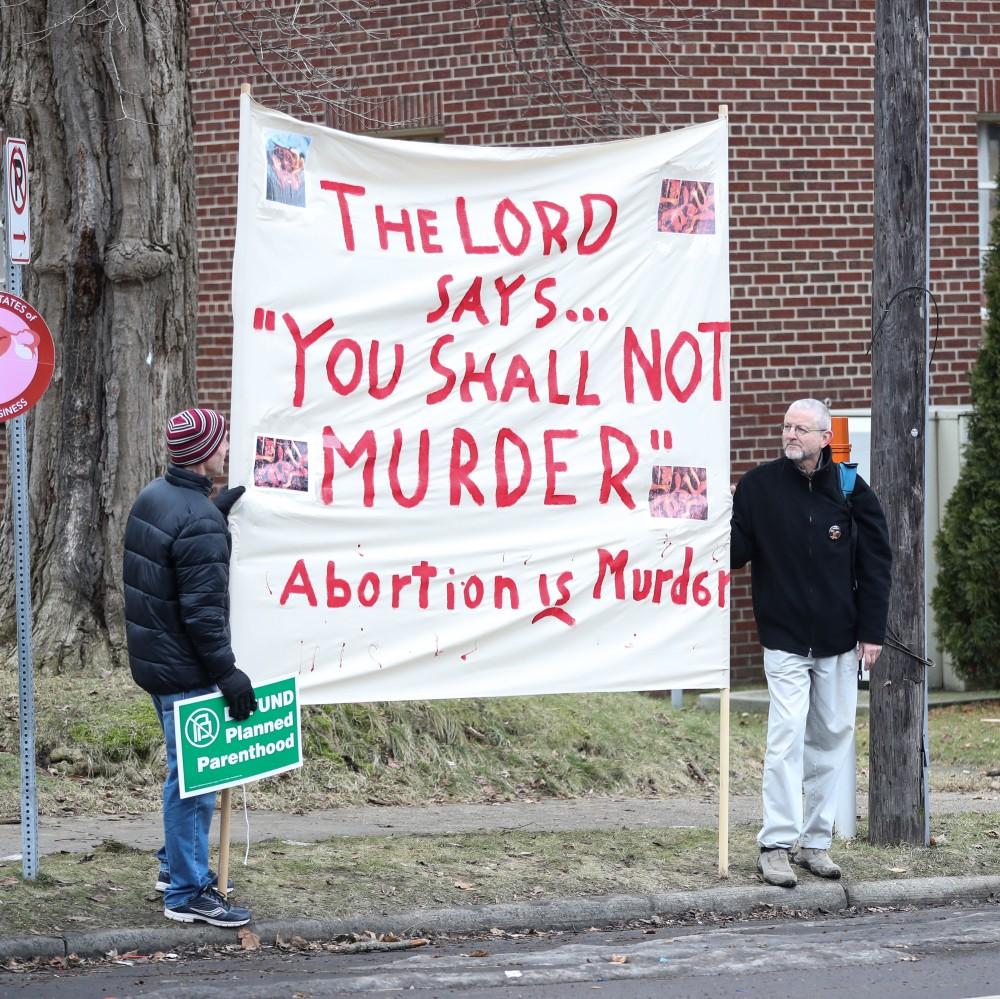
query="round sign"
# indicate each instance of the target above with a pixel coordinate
(17, 179)
(27, 356)
(202, 728)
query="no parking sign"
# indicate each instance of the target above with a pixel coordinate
(18, 221)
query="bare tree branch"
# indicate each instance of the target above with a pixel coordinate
(555, 41)
(295, 48)
(559, 47)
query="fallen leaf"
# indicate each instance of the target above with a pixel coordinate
(619, 958)
(249, 939)
(477, 953)
(897, 870)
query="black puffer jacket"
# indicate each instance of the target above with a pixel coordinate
(810, 596)
(177, 549)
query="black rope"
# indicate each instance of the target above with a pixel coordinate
(893, 642)
(889, 304)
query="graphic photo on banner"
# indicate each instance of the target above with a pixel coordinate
(481, 405)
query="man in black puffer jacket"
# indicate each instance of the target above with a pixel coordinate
(176, 572)
(820, 572)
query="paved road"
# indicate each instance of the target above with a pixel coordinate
(949, 953)
(80, 834)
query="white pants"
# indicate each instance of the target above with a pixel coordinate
(810, 726)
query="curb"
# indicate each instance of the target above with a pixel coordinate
(563, 914)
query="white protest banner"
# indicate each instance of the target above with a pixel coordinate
(481, 407)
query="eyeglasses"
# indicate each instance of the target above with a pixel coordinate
(788, 428)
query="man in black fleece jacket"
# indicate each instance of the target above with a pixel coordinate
(820, 574)
(176, 574)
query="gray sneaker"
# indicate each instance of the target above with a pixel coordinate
(817, 861)
(774, 868)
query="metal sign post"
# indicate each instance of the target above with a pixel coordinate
(18, 250)
(22, 578)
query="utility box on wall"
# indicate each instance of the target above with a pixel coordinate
(947, 433)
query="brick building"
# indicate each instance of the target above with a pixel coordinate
(797, 76)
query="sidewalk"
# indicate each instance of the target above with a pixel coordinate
(77, 834)
(757, 701)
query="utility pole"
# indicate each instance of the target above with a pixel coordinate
(897, 799)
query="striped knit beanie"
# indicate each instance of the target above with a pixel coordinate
(194, 435)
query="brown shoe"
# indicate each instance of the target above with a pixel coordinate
(775, 870)
(816, 861)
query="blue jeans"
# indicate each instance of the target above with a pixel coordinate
(186, 821)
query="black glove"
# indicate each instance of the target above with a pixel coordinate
(238, 692)
(226, 499)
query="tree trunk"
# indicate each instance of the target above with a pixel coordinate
(102, 99)
(896, 805)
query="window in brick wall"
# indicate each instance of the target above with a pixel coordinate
(989, 168)
(417, 117)
(410, 134)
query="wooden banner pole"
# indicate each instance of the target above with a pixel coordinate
(724, 782)
(226, 800)
(225, 806)
(724, 735)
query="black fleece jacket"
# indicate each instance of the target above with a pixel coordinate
(810, 596)
(176, 570)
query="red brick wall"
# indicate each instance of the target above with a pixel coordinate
(797, 76)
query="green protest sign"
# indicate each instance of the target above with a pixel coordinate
(214, 752)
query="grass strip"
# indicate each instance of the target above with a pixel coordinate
(100, 750)
(112, 887)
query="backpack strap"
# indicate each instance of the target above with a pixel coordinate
(848, 471)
